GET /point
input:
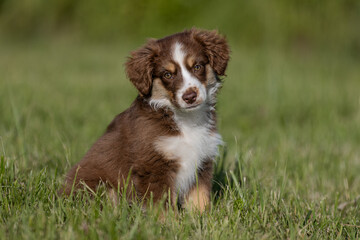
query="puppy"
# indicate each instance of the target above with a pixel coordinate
(167, 141)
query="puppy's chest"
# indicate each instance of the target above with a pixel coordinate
(191, 148)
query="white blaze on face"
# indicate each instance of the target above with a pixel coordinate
(189, 80)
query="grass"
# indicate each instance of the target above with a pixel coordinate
(291, 122)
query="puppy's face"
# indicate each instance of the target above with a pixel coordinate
(179, 71)
(179, 76)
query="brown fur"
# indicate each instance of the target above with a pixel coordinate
(216, 48)
(126, 148)
(140, 67)
(120, 149)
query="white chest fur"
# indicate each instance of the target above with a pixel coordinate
(191, 148)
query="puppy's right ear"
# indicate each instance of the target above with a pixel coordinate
(140, 66)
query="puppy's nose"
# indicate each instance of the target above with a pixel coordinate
(189, 97)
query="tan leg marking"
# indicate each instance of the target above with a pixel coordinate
(113, 196)
(198, 198)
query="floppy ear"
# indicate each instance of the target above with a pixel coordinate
(216, 48)
(140, 65)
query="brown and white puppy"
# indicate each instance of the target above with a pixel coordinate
(167, 140)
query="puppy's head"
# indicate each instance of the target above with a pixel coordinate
(179, 71)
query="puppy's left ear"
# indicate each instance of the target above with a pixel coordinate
(216, 48)
(140, 66)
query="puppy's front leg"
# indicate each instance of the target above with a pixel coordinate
(155, 185)
(198, 197)
(165, 194)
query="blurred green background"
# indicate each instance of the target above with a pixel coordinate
(302, 24)
(289, 112)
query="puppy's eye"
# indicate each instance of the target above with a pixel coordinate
(167, 75)
(197, 67)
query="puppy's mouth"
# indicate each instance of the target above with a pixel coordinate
(193, 106)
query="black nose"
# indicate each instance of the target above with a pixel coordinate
(189, 97)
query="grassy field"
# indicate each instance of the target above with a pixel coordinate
(290, 168)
